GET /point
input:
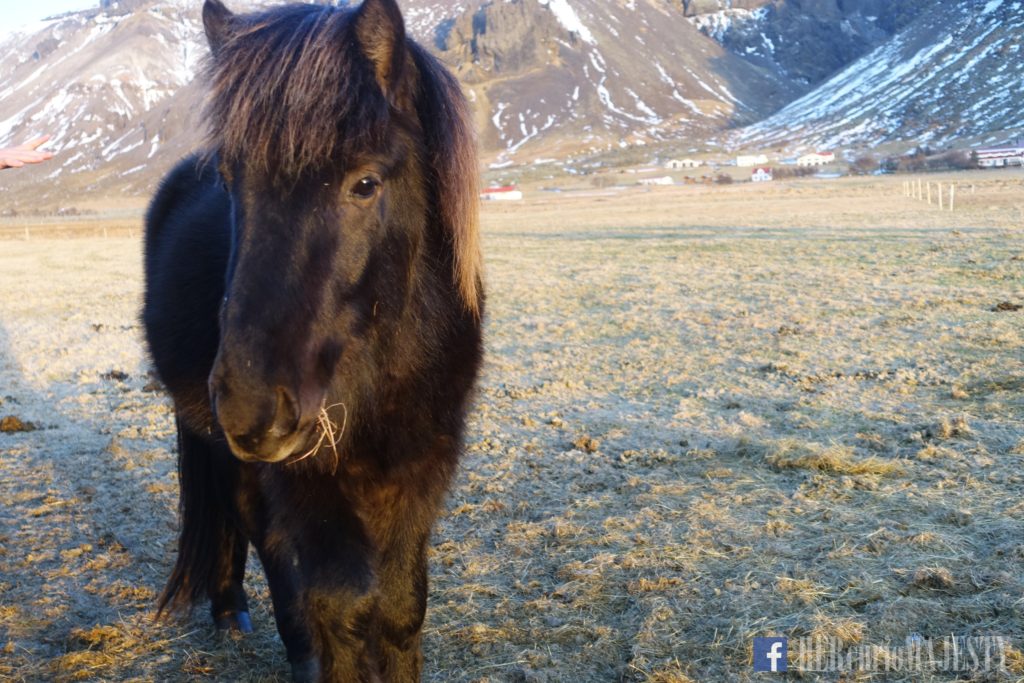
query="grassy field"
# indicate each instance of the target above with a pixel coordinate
(707, 414)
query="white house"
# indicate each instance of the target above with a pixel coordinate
(678, 164)
(997, 157)
(508, 193)
(816, 159)
(761, 175)
(748, 160)
(664, 180)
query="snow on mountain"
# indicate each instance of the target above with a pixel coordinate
(99, 81)
(550, 76)
(568, 18)
(117, 88)
(956, 72)
(117, 85)
(718, 24)
(805, 41)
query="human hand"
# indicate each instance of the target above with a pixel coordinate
(16, 157)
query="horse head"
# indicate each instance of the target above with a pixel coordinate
(347, 155)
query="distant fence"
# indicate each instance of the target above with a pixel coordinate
(924, 190)
(114, 223)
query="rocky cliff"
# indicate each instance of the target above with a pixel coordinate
(953, 76)
(502, 38)
(806, 40)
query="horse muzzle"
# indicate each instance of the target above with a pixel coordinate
(260, 426)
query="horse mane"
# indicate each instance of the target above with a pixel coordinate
(277, 104)
(451, 154)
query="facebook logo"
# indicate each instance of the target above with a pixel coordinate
(770, 654)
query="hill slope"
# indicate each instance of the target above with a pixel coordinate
(807, 41)
(594, 73)
(956, 72)
(116, 85)
(118, 88)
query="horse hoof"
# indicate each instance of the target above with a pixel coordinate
(234, 621)
(306, 672)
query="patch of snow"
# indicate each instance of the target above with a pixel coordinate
(496, 119)
(568, 18)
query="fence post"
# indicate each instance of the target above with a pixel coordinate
(929, 184)
(952, 196)
(940, 196)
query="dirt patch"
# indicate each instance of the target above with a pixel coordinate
(12, 423)
(1006, 306)
(114, 376)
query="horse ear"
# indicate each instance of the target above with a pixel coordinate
(217, 24)
(381, 34)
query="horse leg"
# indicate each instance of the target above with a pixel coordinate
(399, 519)
(322, 581)
(279, 565)
(211, 547)
(275, 547)
(349, 591)
(402, 608)
(401, 528)
(341, 603)
(228, 604)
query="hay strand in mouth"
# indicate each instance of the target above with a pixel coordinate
(329, 432)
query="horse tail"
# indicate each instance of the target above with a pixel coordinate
(205, 521)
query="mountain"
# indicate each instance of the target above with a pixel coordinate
(117, 85)
(114, 86)
(804, 40)
(955, 73)
(551, 77)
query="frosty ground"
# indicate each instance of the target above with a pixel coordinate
(707, 414)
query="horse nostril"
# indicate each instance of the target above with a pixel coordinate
(286, 415)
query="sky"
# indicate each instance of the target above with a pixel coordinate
(16, 13)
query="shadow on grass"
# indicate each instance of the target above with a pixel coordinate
(88, 531)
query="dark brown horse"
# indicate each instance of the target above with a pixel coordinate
(313, 305)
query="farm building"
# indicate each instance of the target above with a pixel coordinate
(664, 180)
(507, 193)
(761, 175)
(816, 159)
(677, 164)
(745, 161)
(997, 157)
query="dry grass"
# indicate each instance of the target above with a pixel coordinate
(706, 415)
(836, 458)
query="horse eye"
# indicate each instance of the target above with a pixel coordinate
(365, 188)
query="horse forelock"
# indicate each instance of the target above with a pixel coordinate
(291, 93)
